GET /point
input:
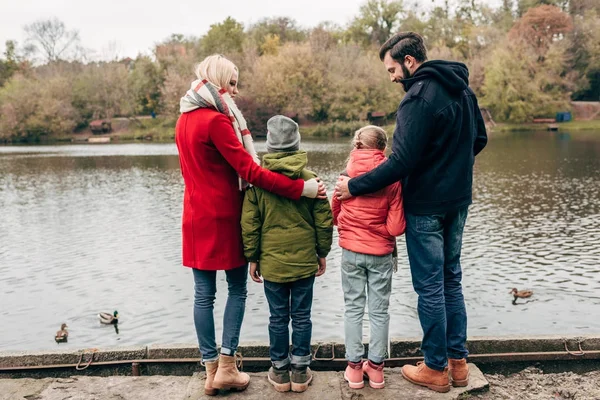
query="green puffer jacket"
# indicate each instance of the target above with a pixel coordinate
(285, 236)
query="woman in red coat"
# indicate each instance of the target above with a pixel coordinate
(218, 161)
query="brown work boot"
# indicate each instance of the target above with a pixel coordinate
(301, 378)
(211, 370)
(228, 376)
(280, 378)
(424, 376)
(458, 371)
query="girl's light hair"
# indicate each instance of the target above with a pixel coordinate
(370, 137)
(216, 69)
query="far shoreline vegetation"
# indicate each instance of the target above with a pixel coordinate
(162, 130)
(528, 59)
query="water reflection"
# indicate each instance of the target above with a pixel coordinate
(86, 228)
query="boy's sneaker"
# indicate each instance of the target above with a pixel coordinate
(375, 374)
(280, 378)
(301, 378)
(354, 375)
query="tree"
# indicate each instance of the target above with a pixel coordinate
(358, 84)
(440, 29)
(541, 26)
(376, 22)
(584, 7)
(584, 50)
(524, 5)
(30, 109)
(294, 82)
(8, 65)
(325, 36)
(518, 88)
(52, 36)
(270, 45)
(225, 37)
(286, 29)
(145, 82)
(101, 90)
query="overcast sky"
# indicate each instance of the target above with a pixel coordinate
(128, 27)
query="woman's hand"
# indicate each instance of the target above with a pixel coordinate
(322, 193)
(314, 188)
(322, 265)
(255, 272)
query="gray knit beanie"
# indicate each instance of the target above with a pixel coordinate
(282, 134)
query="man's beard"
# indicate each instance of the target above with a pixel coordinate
(405, 71)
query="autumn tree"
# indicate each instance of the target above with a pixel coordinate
(30, 109)
(291, 82)
(102, 91)
(376, 22)
(524, 5)
(541, 26)
(263, 33)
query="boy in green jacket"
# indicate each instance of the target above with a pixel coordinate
(286, 242)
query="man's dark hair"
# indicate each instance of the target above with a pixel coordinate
(404, 44)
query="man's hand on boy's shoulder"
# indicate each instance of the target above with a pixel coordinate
(322, 261)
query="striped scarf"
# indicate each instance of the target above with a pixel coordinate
(203, 94)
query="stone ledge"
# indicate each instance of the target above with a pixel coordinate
(326, 386)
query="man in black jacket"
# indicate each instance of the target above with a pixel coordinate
(439, 131)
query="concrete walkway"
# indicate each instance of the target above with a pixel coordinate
(326, 386)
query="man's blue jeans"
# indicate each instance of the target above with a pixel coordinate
(204, 298)
(433, 243)
(291, 299)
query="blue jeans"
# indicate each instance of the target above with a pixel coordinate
(366, 277)
(433, 243)
(204, 298)
(290, 299)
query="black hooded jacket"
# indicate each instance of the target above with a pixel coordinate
(439, 131)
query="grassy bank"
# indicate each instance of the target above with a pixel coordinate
(347, 129)
(162, 129)
(563, 126)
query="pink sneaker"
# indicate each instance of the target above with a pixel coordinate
(354, 375)
(375, 374)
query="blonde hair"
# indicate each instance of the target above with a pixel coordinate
(216, 69)
(370, 137)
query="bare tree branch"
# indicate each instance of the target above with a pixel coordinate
(52, 36)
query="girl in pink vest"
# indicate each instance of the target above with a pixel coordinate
(367, 227)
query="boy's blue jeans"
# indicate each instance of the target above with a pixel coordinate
(434, 243)
(365, 278)
(290, 299)
(204, 298)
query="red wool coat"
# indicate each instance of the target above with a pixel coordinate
(211, 157)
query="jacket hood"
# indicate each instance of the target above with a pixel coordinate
(289, 164)
(363, 160)
(454, 76)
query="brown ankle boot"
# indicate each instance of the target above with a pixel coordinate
(425, 376)
(211, 370)
(458, 371)
(228, 376)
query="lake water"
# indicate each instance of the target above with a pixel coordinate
(89, 228)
